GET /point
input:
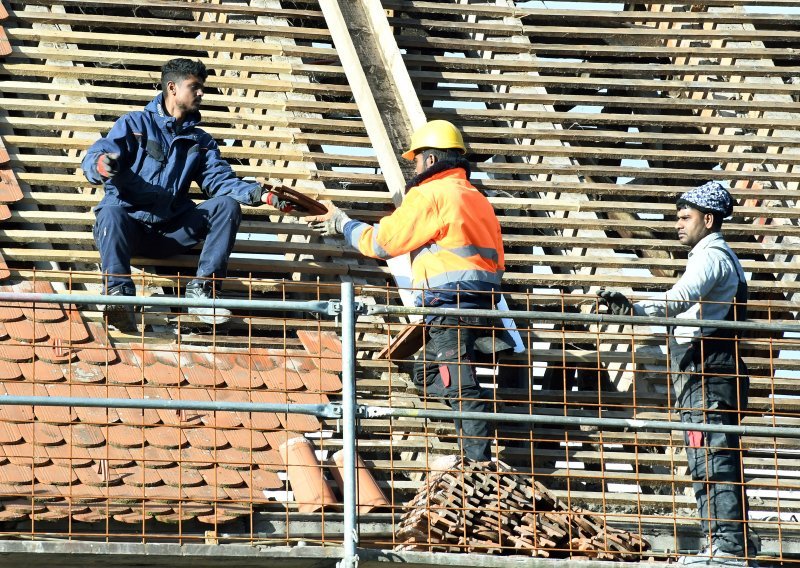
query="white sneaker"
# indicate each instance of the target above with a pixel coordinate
(713, 556)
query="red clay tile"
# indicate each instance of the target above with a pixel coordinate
(160, 374)
(318, 380)
(42, 372)
(5, 213)
(10, 311)
(246, 439)
(4, 157)
(325, 347)
(264, 420)
(89, 516)
(54, 352)
(123, 436)
(224, 513)
(222, 477)
(136, 356)
(263, 480)
(87, 436)
(5, 45)
(204, 378)
(282, 379)
(27, 456)
(232, 458)
(10, 371)
(47, 434)
(72, 461)
(245, 496)
(25, 330)
(11, 474)
(93, 415)
(309, 487)
(68, 329)
(300, 422)
(82, 372)
(164, 492)
(17, 352)
(147, 416)
(167, 437)
(90, 477)
(240, 377)
(153, 457)
(14, 412)
(56, 475)
(181, 477)
(39, 311)
(20, 509)
(96, 354)
(206, 438)
(10, 191)
(195, 458)
(138, 476)
(213, 360)
(9, 434)
(122, 373)
(55, 414)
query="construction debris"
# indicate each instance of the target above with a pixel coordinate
(489, 508)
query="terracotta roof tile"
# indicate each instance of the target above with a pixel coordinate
(14, 412)
(214, 360)
(136, 356)
(160, 374)
(222, 477)
(96, 354)
(39, 311)
(26, 330)
(5, 213)
(168, 437)
(241, 377)
(264, 480)
(154, 457)
(122, 373)
(10, 191)
(246, 440)
(325, 347)
(234, 458)
(54, 352)
(138, 476)
(82, 372)
(18, 352)
(206, 438)
(5, 45)
(202, 377)
(9, 434)
(87, 436)
(319, 380)
(90, 516)
(4, 157)
(70, 329)
(66, 456)
(27, 456)
(94, 415)
(10, 371)
(265, 420)
(182, 476)
(164, 492)
(56, 475)
(10, 311)
(123, 436)
(16, 475)
(225, 512)
(196, 458)
(41, 371)
(46, 434)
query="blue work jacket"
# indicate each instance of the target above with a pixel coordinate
(158, 161)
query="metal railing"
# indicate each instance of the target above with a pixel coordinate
(350, 412)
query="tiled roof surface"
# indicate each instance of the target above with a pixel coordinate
(167, 464)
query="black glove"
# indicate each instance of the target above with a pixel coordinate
(616, 302)
(108, 165)
(272, 199)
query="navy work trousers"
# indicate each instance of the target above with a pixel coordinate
(716, 397)
(120, 237)
(446, 372)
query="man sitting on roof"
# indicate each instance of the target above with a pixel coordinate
(453, 235)
(146, 164)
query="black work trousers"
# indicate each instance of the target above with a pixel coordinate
(446, 371)
(715, 396)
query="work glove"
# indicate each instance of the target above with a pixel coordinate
(108, 165)
(616, 302)
(272, 199)
(332, 223)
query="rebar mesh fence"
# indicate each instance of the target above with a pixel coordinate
(236, 434)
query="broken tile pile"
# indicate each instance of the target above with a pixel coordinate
(92, 464)
(465, 507)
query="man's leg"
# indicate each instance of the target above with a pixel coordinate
(216, 222)
(449, 373)
(715, 463)
(117, 236)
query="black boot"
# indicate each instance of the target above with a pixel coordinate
(202, 289)
(121, 316)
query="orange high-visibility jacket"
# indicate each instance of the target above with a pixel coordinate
(449, 228)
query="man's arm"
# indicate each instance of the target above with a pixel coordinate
(112, 153)
(217, 177)
(703, 271)
(411, 225)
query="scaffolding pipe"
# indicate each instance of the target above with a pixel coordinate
(629, 424)
(320, 306)
(320, 410)
(562, 317)
(350, 559)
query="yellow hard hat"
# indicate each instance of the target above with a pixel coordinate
(438, 134)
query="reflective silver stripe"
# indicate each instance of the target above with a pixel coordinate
(462, 276)
(464, 252)
(379, 251)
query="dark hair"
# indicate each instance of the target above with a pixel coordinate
(176, 70)
(451, 155)
(718, 217)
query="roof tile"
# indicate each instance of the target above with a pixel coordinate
(202, 377)
(182, 476)
(87, 435)
(67, 455)
(124, 436)
(206, 438)
(138, 476)
(9, 434)
(5, 45)
(122, 373)
(26, 330)
(264, 480)
(82, 372)
(39, 311)
(222, 477)
(12, 474)
(137, 356)
(10, 371)
(18, 352)
(168, 437)
(264, 420)
(160, 374)
(70, 329)
(41, 371)
(56, 475)
(10, 191)
(10, 311)
(246, 439)
(325, 347)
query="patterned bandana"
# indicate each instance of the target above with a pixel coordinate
(710, 197)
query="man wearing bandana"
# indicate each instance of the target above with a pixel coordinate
(453, 235)
(709, 378)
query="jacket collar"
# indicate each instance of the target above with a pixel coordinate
(167, 122)
(445, 168)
